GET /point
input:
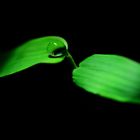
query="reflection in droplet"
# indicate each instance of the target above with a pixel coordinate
(58, 52)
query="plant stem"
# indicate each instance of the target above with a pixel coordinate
(71, 60)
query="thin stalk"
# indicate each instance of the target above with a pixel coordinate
(71, 60)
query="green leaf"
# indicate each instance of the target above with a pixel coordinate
(49, 49)
(111, 76)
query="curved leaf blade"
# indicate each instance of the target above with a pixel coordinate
(30, 53)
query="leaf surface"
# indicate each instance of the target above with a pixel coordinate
(111, 76)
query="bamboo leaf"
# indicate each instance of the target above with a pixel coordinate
(111, 76)
(49, 49)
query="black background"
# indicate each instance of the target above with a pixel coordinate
(44, 89)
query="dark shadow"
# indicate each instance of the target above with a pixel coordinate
(4, 57)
